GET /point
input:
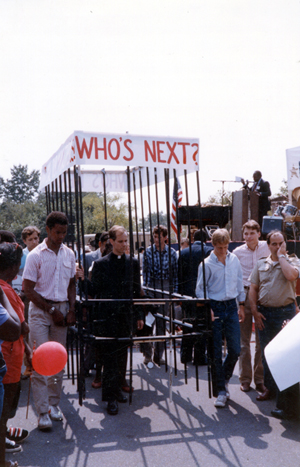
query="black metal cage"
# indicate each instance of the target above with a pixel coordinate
(148, 189)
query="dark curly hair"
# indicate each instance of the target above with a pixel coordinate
(10, 255)
(56, 217)
(6, 236)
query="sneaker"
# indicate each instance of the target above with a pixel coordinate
(44, 422)
(147, 360)
(18, 435)
(227, 390)
(221, 401)
(55, 413)
(11, 446)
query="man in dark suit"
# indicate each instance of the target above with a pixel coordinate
(116, 276)
(262, 189)
(188, 265)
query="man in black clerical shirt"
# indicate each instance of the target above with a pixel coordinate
(116, 276)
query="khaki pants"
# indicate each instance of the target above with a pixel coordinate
(46, 390)
(245, 365)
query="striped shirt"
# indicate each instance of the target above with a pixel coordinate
(154, 271)
(51, 272)
(248, 258)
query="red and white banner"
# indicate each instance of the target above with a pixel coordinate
(106, 149)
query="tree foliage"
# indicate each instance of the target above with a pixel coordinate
(153, 216)
(22, 186)
(217, 198)
(283, 190)
(15, 216)
(22, 206)
(94, 212)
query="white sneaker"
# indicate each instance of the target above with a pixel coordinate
(55, 413)
(227, 390)
(44, 422)
(11, 446)
(221, 401)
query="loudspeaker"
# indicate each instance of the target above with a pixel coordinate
(271, 223)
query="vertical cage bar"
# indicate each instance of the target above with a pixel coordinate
(60, 194)
(71, 207)
(105, 201)
(131, 278)
(56, 195)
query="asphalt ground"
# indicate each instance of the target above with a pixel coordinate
(157, 432)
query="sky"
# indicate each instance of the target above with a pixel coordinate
(224, 71)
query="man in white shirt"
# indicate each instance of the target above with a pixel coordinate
(248, 254)
(49, 284)
(224, 287)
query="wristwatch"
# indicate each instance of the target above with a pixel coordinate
(281, 256)
(242, 303)
(51, 311)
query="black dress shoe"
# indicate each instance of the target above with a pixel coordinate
(186, 358)
(277, 413)
(112, 408)
(121, 398)
(159, 361)
(282, 415)
(156, 360)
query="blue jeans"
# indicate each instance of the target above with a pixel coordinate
(287, 400)
(227, 322)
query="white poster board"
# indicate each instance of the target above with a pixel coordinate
(116, 180)
(105, 149)
(283, 355)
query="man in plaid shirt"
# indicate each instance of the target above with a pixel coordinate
(160, 271)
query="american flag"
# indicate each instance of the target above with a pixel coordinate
(177, 195)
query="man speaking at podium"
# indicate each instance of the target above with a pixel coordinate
(263, 190)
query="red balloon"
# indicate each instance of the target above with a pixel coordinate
(49, 358)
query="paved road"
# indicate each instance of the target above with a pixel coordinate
(155, 432)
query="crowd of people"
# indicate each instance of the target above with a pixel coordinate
(255, 281)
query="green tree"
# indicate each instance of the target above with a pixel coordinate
(283, 190)
(22, 186)
(153, 216)
(1, 187)
(217, 198)
(94, 212)
(15, 216)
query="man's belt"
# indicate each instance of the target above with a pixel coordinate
(282, 306)
(53, 301)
